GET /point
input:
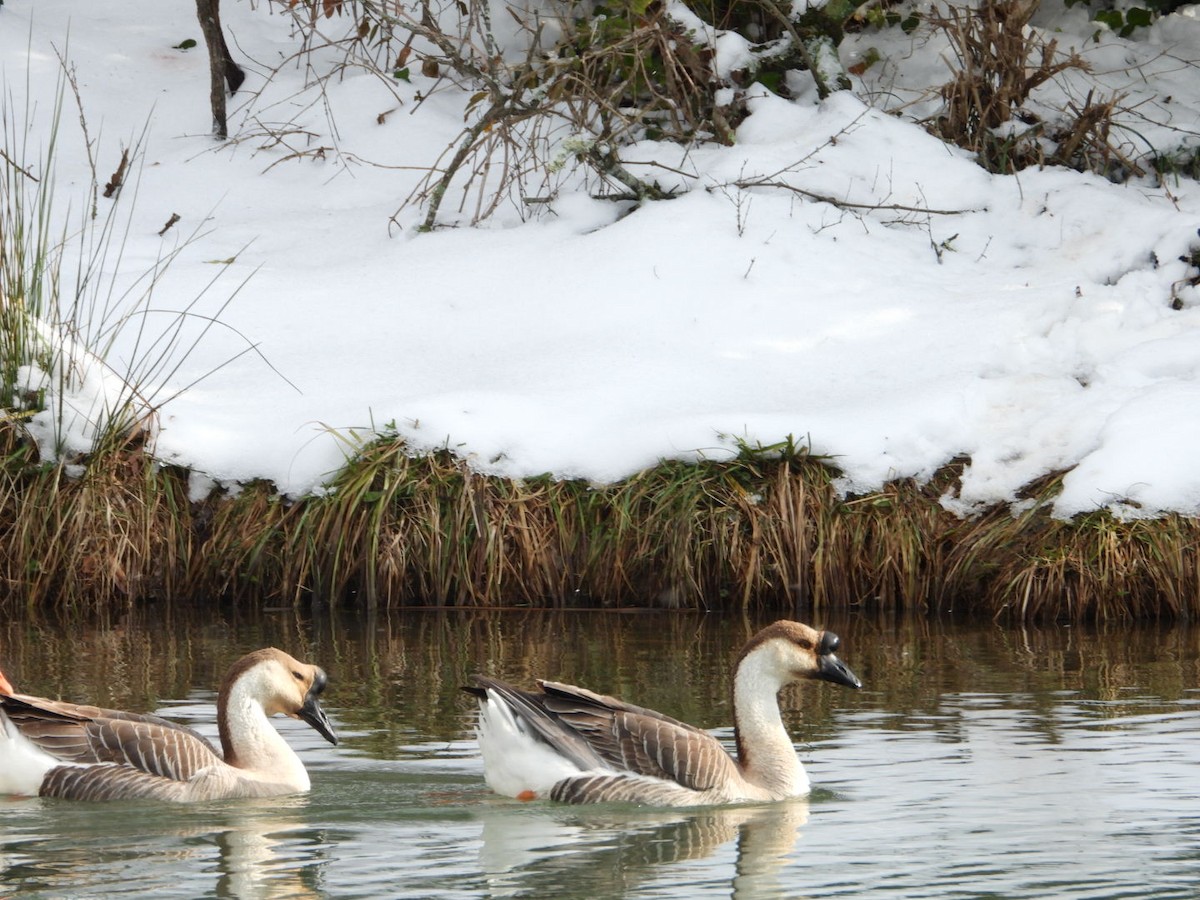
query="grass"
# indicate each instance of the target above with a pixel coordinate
(765, 530)
(87, 518)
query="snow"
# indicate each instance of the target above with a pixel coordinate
(1023, 322)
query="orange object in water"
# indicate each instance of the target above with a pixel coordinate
(524, 795)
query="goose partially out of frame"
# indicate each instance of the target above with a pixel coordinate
(569, 744)
(75, 752)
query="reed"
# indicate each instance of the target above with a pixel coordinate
(765, 530)
(87, 517)
(113, 531)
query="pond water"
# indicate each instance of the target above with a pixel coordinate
(977, 761)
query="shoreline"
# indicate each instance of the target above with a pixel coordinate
(762, 531)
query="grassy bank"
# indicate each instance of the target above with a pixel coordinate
(766, 530)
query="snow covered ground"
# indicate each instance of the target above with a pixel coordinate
(1027, 323)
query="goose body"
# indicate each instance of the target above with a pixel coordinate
(569, 744)
(56, 749)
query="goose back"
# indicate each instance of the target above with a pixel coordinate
(642, 741)
(90, 734)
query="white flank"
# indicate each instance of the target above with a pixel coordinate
(514, 761)
(23, 764)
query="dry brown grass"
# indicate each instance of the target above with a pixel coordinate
(766, 530)
(1000, 62)
(119, 531)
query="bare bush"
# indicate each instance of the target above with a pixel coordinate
(1085, 142)
(1000, 62)
(574, 101)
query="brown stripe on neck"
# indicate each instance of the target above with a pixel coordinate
(236, 671)
(785, 629)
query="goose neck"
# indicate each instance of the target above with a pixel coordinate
(249, 740)
(765, 751)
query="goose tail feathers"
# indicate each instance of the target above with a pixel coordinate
(526, 750)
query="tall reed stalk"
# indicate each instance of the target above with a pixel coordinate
(28, 257)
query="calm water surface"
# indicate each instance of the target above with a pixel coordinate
(978, 761)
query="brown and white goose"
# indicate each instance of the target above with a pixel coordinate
(569, 744)
(57, 749)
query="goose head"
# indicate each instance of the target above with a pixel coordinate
(829, 667)
(787, 652)
(281, 684)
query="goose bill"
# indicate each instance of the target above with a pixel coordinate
(833, 669)
(312, 713)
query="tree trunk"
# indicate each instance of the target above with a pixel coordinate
(220, 64)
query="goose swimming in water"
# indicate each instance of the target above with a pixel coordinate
(57, 749)
(566, 743)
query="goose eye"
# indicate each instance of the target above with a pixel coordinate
(298, 676)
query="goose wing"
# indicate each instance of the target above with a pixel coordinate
(642, 741)
(109, 781)
(88, 734)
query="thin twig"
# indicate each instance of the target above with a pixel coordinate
(846, 204)
(8, 159)
(69, 72)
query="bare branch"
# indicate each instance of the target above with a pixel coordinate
(745, 184)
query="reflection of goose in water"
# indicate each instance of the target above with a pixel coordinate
(534, 851)
(249, 849)
(266, 855)
(569, 744)
(76, 752)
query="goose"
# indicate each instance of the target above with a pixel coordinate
(571, 745)
(53, 748)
